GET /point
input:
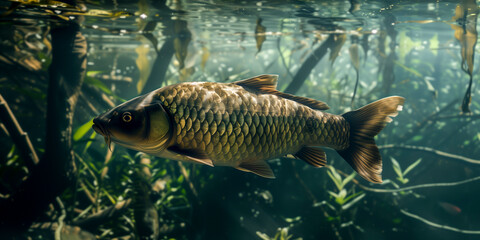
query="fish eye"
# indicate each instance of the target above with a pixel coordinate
(127, 117)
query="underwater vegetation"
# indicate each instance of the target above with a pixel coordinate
(62, 63)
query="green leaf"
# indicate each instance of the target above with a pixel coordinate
(333, 194)
(11, 152)
(98, 84)
(89, 143)
(349, 204)
(352, 196)
(330, 218)
(284, 234)
(12, 160)
(32, 92)
(291, 220)
(180, 179)
(396, 167)
(403, 180)
(343, 193)
(412, 166)
(336, 178)
(277, 235)
(417, 138)
(92, 167)
(93, 73)
(263, 236)
(112, 200)
(82, 130)
(341, 197)
(348, 179)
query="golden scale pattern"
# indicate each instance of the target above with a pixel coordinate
(232, 125)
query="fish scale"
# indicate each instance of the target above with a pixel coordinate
(247, 125)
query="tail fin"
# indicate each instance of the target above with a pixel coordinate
(365, 123)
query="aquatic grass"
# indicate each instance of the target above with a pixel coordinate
(343, 196)
(96, 83)
(337, 178)
(82, 130)
(401, 174)
(281, 234)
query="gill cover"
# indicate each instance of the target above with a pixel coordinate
(152, 136)
(159, 127)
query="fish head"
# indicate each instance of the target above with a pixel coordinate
(137, 124)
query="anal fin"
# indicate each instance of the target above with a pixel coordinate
(261, 168)
(192, 155)
(313, 156)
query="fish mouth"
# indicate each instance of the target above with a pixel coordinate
(102, 130)
(99, 128)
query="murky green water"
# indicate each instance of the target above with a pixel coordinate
(62, 64)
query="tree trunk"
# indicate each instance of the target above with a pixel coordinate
(56, 169)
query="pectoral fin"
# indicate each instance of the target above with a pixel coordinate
(192, 155)
(261, 168)
(313, 156)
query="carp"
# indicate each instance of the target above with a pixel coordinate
(244, 123)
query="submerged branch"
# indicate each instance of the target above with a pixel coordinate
(88, 193)
(160, 66)
(433, 151)
(456, 116)
(19, 137)
(92, 221)
(58, 231)
(309, 64)
(282, 57)
(48, 231)
(467, 99)
(427, 185)
(439, 225)
(414, 131)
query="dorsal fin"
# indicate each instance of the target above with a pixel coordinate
(268, 83)
(312, 103)
(262, 83)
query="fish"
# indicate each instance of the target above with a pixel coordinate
(450, 208)
(243, 124)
